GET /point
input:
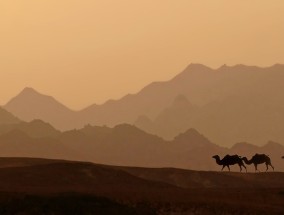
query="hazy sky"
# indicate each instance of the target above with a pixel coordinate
(88, 51)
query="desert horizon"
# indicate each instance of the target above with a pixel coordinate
(153, 107)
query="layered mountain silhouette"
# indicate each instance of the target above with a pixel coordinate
(18, 144)
(172, 120)
(30, 105)
(228, 105)
(35, 128)
(124, 145)
(235, 119)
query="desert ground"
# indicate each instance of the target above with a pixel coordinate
(42, 186)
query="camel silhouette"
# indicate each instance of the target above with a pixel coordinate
(283, 157)
(229, 160)
(259, 159)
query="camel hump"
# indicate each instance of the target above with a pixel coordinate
(260, 155)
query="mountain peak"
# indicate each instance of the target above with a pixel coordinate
(277, 66)
(223, 67)
(193, 139)
(127, 128)
(142, 119)
(237, 68)
(190, 134)
(28, 96)
(197, 66)
(30, 104)
(29, 91)
(193, 69)
(181, 100)
(272, 144)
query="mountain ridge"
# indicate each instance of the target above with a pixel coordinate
(124, 145)
(241, 93)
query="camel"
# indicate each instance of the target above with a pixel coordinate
(282, 157)
(259, 159)
(229, 160)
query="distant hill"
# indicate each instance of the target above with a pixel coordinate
(30, 105)
(127, 145)
(272, 149)
(124, 145)
(172, 121)
(201, 85)
(229, 104)
(35, 128)
(18, 144)
(235, 119)
(121, 145)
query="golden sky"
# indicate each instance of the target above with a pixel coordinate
(87, 51)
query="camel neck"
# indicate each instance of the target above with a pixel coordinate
(247, 161)
(218, 161)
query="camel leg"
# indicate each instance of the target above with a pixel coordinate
(240, 167)
(229, 168)
(269, 165)
(266, 167)
(245, 167)
(223, 167)
(272, 166)
(255, 166)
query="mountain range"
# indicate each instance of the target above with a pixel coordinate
(124, 145)
(229, 104)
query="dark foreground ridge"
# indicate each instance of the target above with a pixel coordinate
(42, 186)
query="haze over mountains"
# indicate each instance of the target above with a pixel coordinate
(30, 105)
(124, 145)
(228, 105)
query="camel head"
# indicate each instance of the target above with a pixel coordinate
(216, 157)
(246, 160)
